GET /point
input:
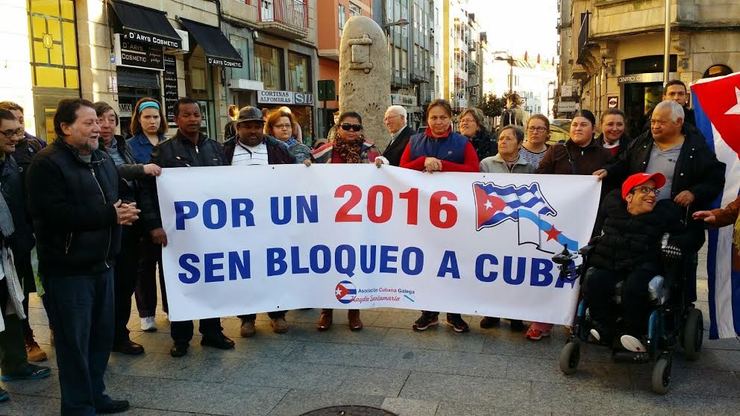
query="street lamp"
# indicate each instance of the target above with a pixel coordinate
(399, 22)
(510, 60)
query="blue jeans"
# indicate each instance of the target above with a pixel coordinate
(81, 312)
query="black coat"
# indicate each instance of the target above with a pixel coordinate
(176, 152)
(630, 241)
(277, 153)
(71, 204)
(485, 144)
(697, 170)
(395, 149)
(11, 183)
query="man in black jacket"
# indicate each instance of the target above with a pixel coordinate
(675, 90)
(395, 122)
(694, 176)
(77, 214)
(188, 148)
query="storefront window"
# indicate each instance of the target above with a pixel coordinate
(54, 51)
(298, 72)
(242, 46)
(268, 64)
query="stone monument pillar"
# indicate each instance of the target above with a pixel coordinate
(365, 76)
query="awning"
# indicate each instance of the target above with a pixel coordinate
(146, 25)
(218, 49)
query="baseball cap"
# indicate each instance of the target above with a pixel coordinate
(640, 178)
(249, 113)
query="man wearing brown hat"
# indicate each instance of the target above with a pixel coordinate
(251, 147)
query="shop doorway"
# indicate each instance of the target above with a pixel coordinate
(639, 99)
(134, 85)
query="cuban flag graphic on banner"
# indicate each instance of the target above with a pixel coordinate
(524, 205)
(716, 103)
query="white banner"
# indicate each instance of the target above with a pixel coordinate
(266, 238)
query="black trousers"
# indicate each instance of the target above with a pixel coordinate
(125, 281)
(635, 307)
(25, 274)
(12, 349)
(150, 262)
(81, 310)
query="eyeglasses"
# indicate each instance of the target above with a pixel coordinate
(536, 129)
(644, 190)
(353, 127)
(282, 126)
(13, 133)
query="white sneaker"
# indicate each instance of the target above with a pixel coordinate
(594, 333)
(632, 344)
(148, 324)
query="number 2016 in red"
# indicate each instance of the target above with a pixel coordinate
(442, 214)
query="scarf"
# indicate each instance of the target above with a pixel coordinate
(6, 220)
(349, 150)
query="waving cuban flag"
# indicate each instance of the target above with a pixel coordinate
(716, 104)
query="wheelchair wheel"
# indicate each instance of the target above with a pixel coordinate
(570, 355)
(662, 375)
(693, 334)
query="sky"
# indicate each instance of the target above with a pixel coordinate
(518, 25)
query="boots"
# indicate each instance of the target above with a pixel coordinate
(34, 352)
(325, 319)
(353, 315)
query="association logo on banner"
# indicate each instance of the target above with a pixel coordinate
(524, 205)
(345, 291)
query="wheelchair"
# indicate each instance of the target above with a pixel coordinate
(673, 322)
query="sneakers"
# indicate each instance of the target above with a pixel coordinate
(148, 324)
(248, 329)
(35, 353)
(633, 344)
(279, 326)
(28, 372)
(489, 322)
(425, 321)
(457, 323)
(219, 340)
(538, 331)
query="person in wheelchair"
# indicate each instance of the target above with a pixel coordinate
(628, 250)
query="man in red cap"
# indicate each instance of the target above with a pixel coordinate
(632, 223)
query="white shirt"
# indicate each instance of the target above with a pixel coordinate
(249, 155)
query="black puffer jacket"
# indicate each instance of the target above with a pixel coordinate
(628, 241)
(72, 209)
(11, 182)
(176, 152)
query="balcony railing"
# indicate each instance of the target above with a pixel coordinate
(284, 17)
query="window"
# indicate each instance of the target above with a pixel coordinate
(267, 11)
(397, 62)
(240, 44)
(298, 72)
(268, 64)
(354, 10)
(53, 44)
(342, 17)
(404, 64)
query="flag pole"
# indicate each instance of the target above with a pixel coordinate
(667, 40)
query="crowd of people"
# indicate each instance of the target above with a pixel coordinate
(88, 203)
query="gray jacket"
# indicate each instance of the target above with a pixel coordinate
(496, 164)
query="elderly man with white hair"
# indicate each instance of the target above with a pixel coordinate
(694, 176)
(395, 122)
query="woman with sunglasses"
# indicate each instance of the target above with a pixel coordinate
(347, 146)
(439, 149)
(538, 133)
(280, 126)
(579, 155)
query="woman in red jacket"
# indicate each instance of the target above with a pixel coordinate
(439, 149)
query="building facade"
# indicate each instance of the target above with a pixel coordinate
(612, 51)
(255, 52)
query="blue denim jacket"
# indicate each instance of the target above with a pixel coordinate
(141, 148)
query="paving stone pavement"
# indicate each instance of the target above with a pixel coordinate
(387, 365)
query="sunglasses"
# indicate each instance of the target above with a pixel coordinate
(353, 127)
